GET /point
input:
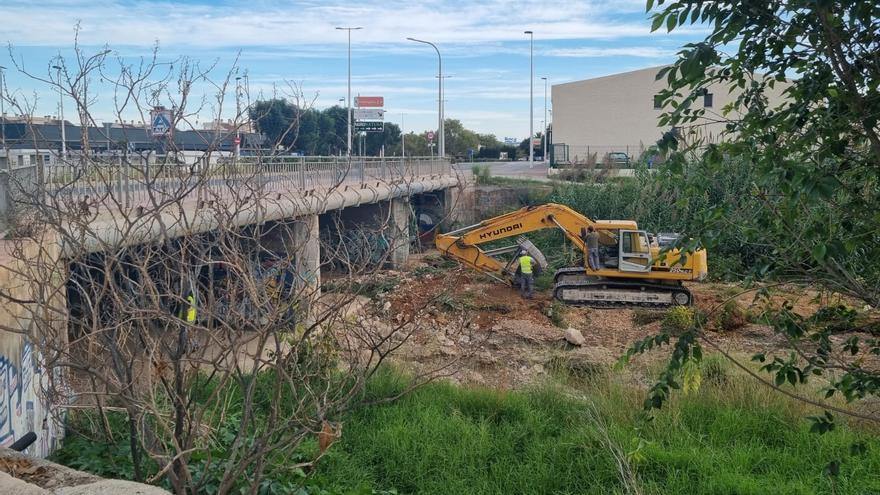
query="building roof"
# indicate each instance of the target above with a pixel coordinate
(652, 70)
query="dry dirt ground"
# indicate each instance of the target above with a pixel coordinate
(487, 334)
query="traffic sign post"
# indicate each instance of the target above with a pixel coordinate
(369, 101)
(160, 122)
(369, 126)
(369, 114)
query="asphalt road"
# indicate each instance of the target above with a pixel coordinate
(517, 169)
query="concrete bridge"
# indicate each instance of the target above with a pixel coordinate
(106, 207)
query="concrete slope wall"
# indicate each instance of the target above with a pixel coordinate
(24, 406)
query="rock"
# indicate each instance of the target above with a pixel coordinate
(446, 342)
(8, 484)
(496, 328)
(111, 487)
(386, 306)
(574, 336)
(538, 369)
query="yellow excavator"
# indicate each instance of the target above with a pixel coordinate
(633, 272)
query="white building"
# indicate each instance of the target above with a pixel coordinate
(618, 113)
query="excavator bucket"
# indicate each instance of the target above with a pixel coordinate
(527, 246)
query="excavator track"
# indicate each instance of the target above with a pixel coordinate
(574, 287)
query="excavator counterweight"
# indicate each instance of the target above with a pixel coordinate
(632, 272)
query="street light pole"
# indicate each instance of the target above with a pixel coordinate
(441, 150)
(531, 97)
(61, 114)
(546, 124)
(402, 137)
(349, 29)
(3, 113)
(237, 116)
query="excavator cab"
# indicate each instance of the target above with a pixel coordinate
(634, 251)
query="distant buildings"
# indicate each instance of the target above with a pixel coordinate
(26, 141)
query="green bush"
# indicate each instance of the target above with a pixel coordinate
(482, 174)
(677, 320)
(731, 316)
(556, 312)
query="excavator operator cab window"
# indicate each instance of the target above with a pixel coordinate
(635, 252)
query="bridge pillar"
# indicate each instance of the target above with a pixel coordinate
(398, 232)
(307, 241)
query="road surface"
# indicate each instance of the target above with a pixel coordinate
(517, 169)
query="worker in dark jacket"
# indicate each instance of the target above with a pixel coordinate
(591, 240)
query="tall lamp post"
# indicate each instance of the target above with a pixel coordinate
(3, 113)
(349, 29)
(61, 114)
(441, 151)
(531, 97)
(546, 124)
(237, 116)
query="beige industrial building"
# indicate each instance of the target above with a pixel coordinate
(618, 114)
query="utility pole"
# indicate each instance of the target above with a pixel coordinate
(546, 124)
(349, 29)
(61, 114)
(441, 150)
(531, 97)
(402, 137)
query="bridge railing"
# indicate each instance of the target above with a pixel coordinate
(135, 180)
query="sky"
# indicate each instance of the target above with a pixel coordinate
(282, 45)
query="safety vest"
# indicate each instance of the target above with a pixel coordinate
(525, 264)
(191, 312)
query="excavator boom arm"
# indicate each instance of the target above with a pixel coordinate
(465, 245)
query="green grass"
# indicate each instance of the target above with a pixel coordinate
(729, 437)
(568, 435)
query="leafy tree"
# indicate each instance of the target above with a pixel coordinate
(812, 206)
(276, 119)
(458, 139)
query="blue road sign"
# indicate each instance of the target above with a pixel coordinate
(160, 122)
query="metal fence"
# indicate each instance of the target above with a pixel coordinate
(604, 156)
(129, 181)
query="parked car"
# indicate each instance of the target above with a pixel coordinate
(618, 159)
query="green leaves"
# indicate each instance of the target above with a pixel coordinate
(822, 424)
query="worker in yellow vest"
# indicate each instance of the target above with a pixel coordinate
(190, 309)
(527, 277)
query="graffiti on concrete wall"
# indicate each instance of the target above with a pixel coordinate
(22, 405)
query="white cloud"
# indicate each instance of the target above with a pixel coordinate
(597, 52)
(263, 23)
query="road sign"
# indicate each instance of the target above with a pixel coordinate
(430, 135)
(236, 140)
(160, 122)
(369, 114)
(536, 142)
(369, 126)
(369, 101)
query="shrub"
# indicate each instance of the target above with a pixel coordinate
(731, 316)
(482, 174)
(643, 316)
(556, 313)
(678, 320)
